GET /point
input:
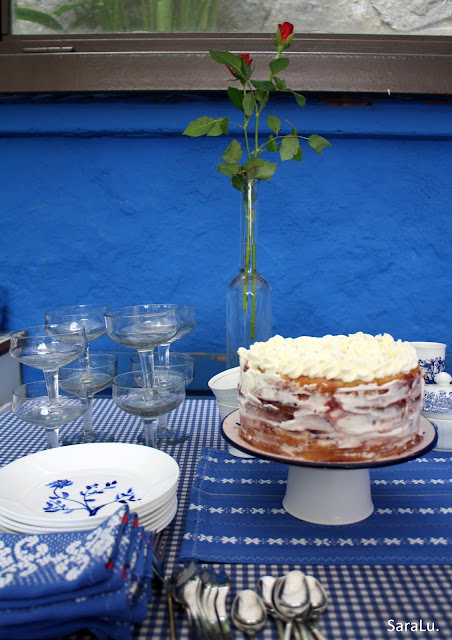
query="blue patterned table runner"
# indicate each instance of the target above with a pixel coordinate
(236, 516)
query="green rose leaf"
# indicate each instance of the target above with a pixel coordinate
(263, 85)
(231, 60)
(289, 147)
(278, 65)
(216, 129)
(300, 100)
(318, 143)
(233, 152)
(261, 97)
(236, 97)
(199, 127)
(238, 181)
(224, 123)
(274, 123)
(272, 145)
(266, 170)
(248, 103)
(280, 84)
(251, 166)
(245, 67)
(298, 155)
(228, 169)
(294, 130)
(259, 169)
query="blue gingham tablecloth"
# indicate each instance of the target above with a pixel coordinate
(236, 515)
(367, 601)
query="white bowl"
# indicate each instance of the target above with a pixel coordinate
(225, 386)
(226, 409)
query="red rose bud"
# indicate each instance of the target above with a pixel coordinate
(285, 29)
(284, 35)
(246, 57)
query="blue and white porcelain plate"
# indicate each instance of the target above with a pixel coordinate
(79, 486)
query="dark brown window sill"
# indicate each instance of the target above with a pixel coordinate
(168, 62)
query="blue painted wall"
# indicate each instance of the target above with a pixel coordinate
(103, 199)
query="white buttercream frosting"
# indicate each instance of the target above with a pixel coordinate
(358, 356)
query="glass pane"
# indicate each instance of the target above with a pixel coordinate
(410, 17)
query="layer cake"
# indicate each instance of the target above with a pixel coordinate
(331, 399)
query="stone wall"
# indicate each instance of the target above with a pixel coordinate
(432, 17)
(340, 16)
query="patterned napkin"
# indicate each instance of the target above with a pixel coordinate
(236, 516)
(57, 583)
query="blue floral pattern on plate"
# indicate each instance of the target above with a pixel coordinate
(92, 498)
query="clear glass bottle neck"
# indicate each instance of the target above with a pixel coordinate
(249, 227)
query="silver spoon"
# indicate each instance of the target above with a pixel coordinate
(248, 612)
(291, 598)
(319, 602)
(265, 586)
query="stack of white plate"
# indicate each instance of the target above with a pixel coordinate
(75, 488)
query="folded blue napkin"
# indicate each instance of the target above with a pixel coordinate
(57, 583)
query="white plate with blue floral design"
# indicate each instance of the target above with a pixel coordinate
(154, 522)
(79, 486)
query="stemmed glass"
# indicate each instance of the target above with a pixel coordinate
(32, 404)
(180, 363)
(89, 316)
(143, 327)
(187, 324)
(132, 396)
(103, 367)
(48, 347)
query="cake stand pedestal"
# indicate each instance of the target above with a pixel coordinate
(328, 496)
(325, 492)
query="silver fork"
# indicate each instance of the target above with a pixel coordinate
(187, 585)
(213, 601)
(157, 566)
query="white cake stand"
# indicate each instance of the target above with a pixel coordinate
(325, 492)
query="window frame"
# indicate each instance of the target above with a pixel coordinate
(320, 63)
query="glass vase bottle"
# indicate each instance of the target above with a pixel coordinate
(249, 295)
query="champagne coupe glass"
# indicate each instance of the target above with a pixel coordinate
(90, 316)
(131, 395)
(32, 404)
(187, 324)
(103, 367)
(143, 327)
(48, 347)
(180, 363)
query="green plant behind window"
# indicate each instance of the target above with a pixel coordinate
(125, 16)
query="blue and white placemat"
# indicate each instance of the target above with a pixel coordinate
(236, 515)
